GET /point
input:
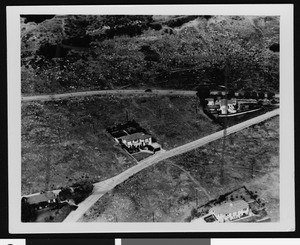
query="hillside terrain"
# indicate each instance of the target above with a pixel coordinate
(66, 140)
(170, 190)
(73, 53)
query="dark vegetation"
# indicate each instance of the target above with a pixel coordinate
(274, 47)
(71, 53)
(77, 191)
(28, 212)
(57, 211)
(36, 18)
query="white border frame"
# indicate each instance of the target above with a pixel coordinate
(287, 189)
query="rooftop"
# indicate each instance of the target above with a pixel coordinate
(230, 207)
(155, 145)
(135, 136)
(41, 197)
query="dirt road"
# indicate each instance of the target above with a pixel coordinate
(107, 92)
(103, 187)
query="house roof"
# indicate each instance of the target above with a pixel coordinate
(230, 207)
(135, 136)
(155, 145)
(41, 198)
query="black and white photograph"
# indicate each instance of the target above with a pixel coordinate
(140, 119)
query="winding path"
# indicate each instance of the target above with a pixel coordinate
(103, 187)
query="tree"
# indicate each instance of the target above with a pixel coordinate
(203, 92)
(28, 213)
(254, 95)
(270, 95)
(65, 194)
(261, 95)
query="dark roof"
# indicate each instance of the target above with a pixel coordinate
(135, 136)
(41, 198)
(230, 207)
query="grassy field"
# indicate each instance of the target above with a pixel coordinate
(169, 190)
(63, 141)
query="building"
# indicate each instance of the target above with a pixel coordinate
(136, 139)
(230, 106)
(42, 200)
(230, 211)
(154, 147)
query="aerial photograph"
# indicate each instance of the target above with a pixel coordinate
(150, 118)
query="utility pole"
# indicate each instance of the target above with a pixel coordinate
(225, 125)
(252, 167)
(48, 170)
(127, 117)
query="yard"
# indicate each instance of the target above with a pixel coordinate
(169, 190)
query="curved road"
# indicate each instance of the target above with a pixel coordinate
(103, 187)
(107, 92)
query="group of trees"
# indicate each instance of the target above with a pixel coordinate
(76, 192)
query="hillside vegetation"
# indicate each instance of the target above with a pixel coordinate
(170, 190)
(72, 53)
(66, 140)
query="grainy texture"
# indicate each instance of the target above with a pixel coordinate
(165, 193)
(66, 140)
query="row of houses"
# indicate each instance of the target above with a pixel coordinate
(233, 105)
(243, 94)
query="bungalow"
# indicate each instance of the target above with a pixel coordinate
(42, 200)
(136, 139)
(230, 211)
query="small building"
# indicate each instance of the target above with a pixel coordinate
(154, 147)
(136, 139)
(230, 211)
(42, 200)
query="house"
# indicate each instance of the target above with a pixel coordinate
(230, 211)
(136, 139)
(230, 106)
(42, 200)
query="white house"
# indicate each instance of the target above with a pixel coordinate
(136, 139)
(230, 211)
